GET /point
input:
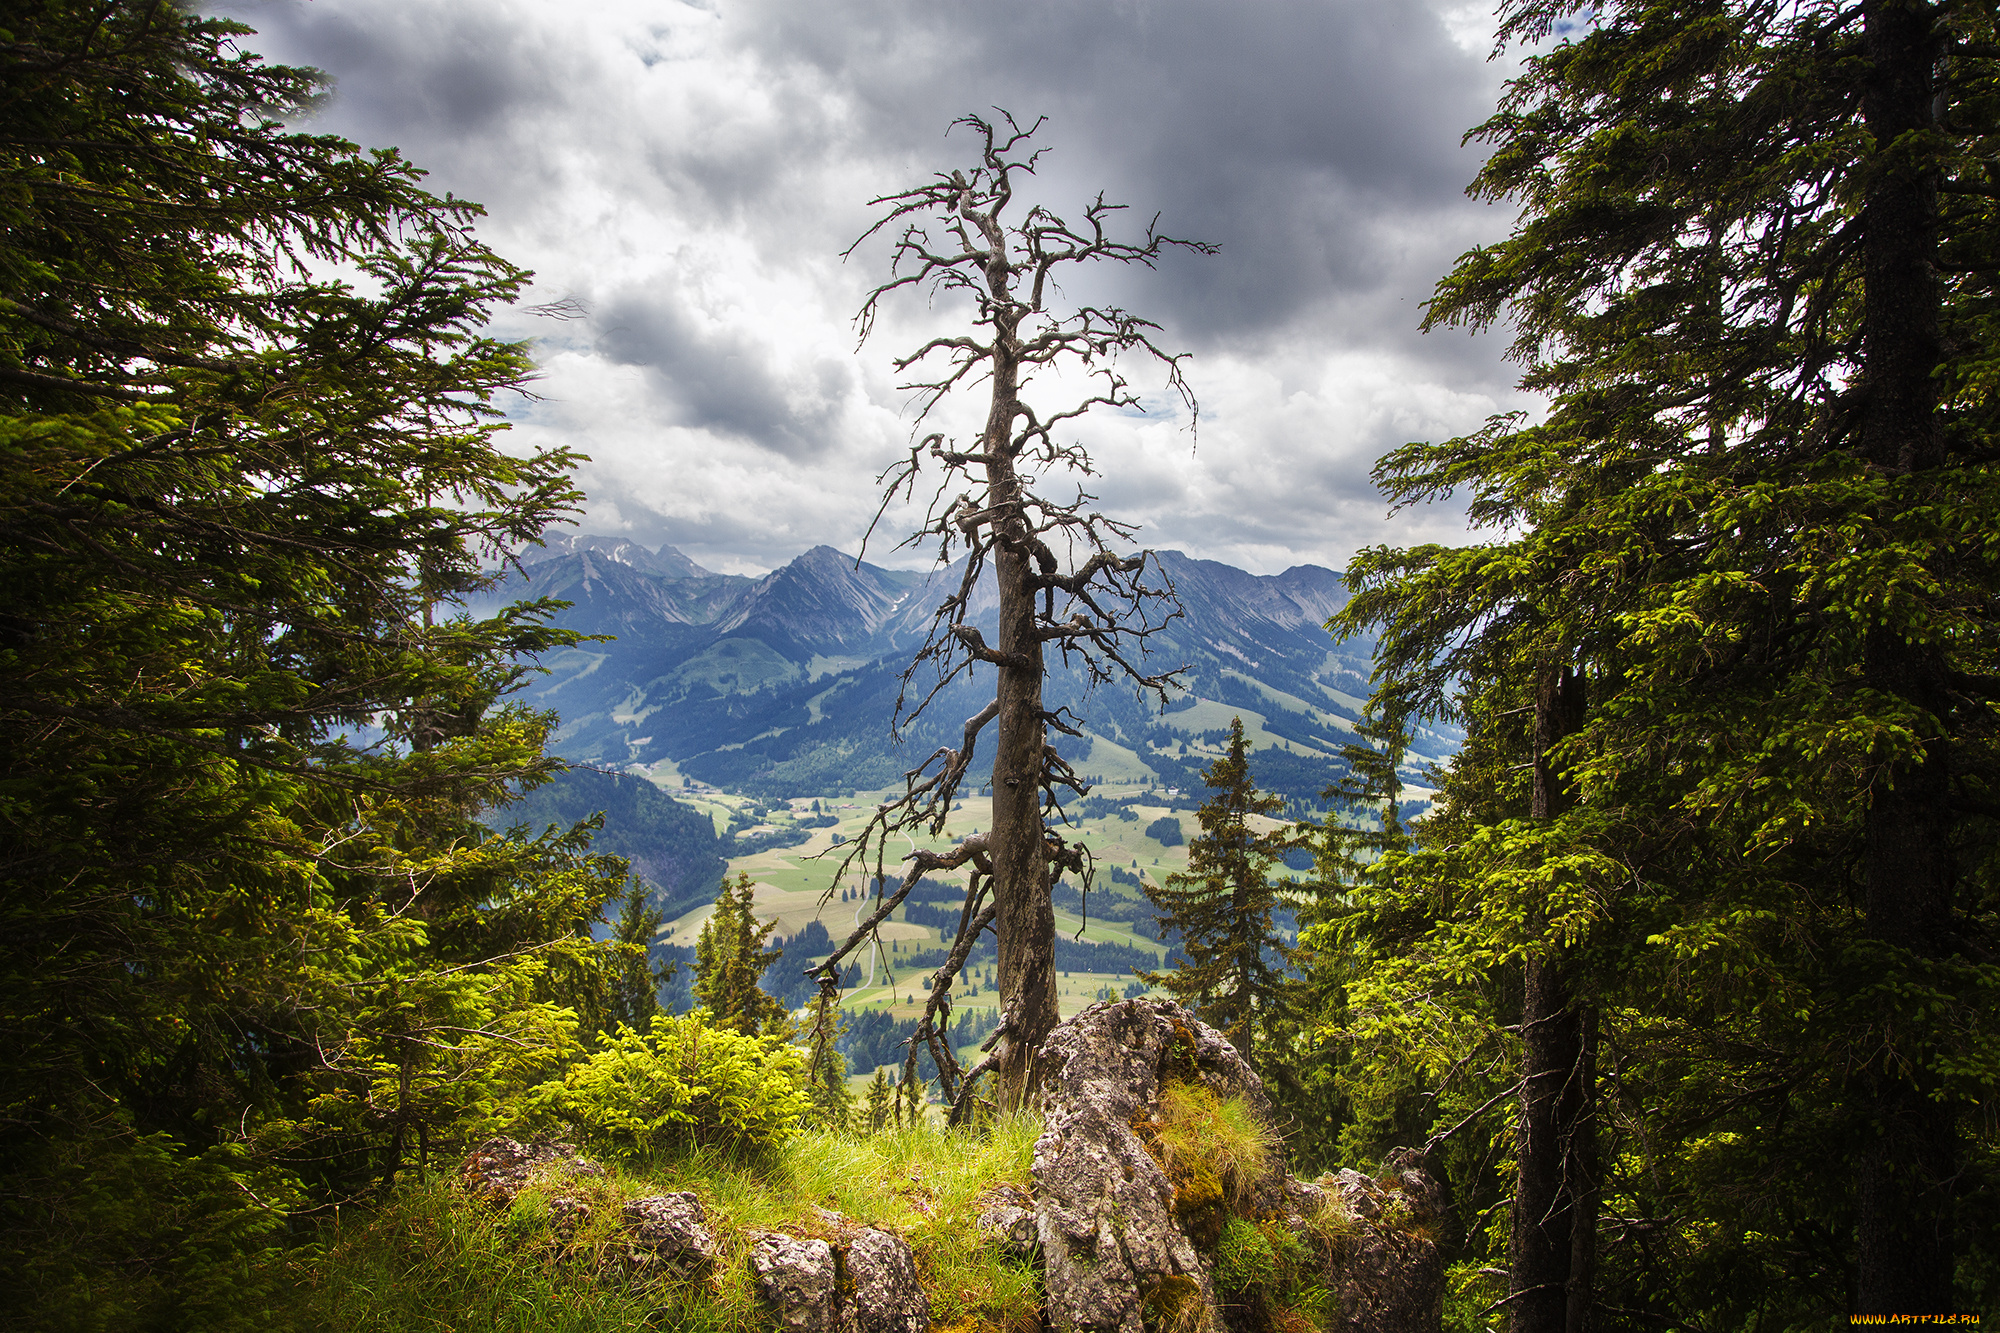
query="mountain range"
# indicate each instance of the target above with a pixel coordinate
(785, 685)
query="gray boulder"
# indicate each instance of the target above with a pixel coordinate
(668, 1234)
(500, 1168)
(799, 1280)
(1387, 1272)
(884, 1295)
(1113, 1240)
(1008, 1220)
(862, 1281)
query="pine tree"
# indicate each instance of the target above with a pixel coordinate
(730, 960)
(1221, 907)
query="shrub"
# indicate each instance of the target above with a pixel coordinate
(684, 1084)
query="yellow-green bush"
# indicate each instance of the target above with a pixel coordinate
(684, 1084)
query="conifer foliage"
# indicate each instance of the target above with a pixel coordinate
(1220, 908)
(730, 961)
(250, 960)
(1717, 859)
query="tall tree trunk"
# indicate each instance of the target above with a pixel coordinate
(1554, 1244)
(1025, 914)
(1904, 1224)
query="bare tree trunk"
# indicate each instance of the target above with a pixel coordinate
(1554, 1243)
(1904, 1225)
(1025, 913)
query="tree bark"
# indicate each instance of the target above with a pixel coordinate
(1554, 1243)
(1903, 1230)
(1024, 911)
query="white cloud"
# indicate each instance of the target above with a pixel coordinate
(690, 174)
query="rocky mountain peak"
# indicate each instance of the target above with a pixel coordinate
(823, 601)
(665, 563)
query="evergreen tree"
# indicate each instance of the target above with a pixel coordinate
(912, 1096)
(826, 1076)
(1341, 1112)
(730, 961)
(879, 1096)
(248, 411)
(1372, 790)
(1221, 907)
(1728, 676)
(635, 982)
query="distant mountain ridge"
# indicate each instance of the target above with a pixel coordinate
(666, 563)
(785, 684)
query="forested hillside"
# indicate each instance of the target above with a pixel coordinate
(672, 848)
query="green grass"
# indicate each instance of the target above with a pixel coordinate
(1217, 1134)
(434, 1260)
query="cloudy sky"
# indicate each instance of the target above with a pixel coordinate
(687, 173)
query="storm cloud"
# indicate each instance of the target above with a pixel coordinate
(689, 175)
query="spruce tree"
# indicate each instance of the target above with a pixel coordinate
(1370, 789)
(730, 961)
(249, 413)
(1308, 1075)
(826, 1075)
(635, 982)
(879, 1096)
(1728, 669)
(1220, 909)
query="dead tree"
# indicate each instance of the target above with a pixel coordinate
(1059, 572)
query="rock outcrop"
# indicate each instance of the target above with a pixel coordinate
(799, 1280)
(1007, 1218)
(1160, 1200)
(667, 1235)
(862, 1281)
(884, 1295)
(500, 1168)
(1389, 1274)
(1133, 1234)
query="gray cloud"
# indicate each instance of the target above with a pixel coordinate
(722, 380)
(1316, 142)
(693, 173)
(461, 87)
